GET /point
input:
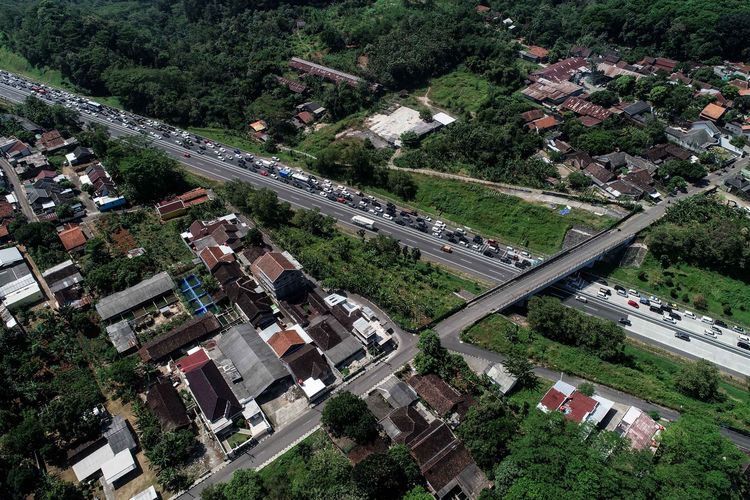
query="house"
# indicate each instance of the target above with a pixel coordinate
(26, 124)
(330, 74)
(80, 156)
(310, 370)
(52, 141)
(72, 238)
(443, 398)
(737, 184)
(30, 166)
(96, 176)
(279, 273)
(534, 54)
(586, 109)
(562, 71)
(217, 402)
(45, 194)
(701, 136)
(316, 109)
(618, 160)
(543, 124)
(501, 377)
(227, 230)
(713, 112)
(252, 305)
(404, 424)
(296, 87)
(157, 290)
(258, 126)
(176, 207)
(213, 255)
(303, 119)
(482, 9)
(531, 115)
(190, 332)
(550, 92)
(17, 284)
(669, 151)
(122, 336)
(338, 345)
(15, 149)
(621, 188)
(576, 406)
(599, 174)
(64, 281)
(257, 372)
(111, 455)
(227, 272)
(657, 64)
(166, 404)
(285, 342)
(611, 71)
(640, 429)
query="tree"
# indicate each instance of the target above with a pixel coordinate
(604, 98)
(410, 140)
(404, 461)
(487, 430)
(254, 237)
(328, 468)
(677, 183)
(417, 493)
(425, 115)
(586, 388)
(579, 180)
(699, 301)
(520, 367)
(347, 415)
(700, 380)
(379, 477)
(265, 206)
(402, 184)
(246, 484)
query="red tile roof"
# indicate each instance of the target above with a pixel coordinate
(282, 342)
(438, 394)
(45, 174)
(168, 207)
(537, 51)
(213, 255)
(6, 209)
(585, 108)
(713, 112)
(589, 121)
(578, 406)
(482, 8)
(545, 123)
(72, 238)
(193, 361)
(51, 139)
(530, 116)
(194, 196)
(273, 265)
(305, 117)
(561, 71)
(553, 399)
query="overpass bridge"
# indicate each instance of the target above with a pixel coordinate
(545, 274)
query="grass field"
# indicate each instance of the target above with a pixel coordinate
(537, 227)
(681, 283)
(288, 473)
(459, 91)
(16, 63)
(649, 373)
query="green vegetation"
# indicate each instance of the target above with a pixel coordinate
(40, 240)
(651, 375)
(493, 214)
(16, 63)
(459, 91)
(346, 415)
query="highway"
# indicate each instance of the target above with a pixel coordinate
(514, 286)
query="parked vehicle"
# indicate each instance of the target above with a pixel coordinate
(633, 303)
(581, 298)
(633, 293)
(707, 319)
(363, 222)
(710, 333)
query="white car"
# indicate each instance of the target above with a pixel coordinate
(388, 216)
(689, 314)
(428, 219)
(581, 298)
(602, 295)
(655, 299)
(669, 319)
(710, 333)
(634, 293)
(743, 338)
(222, 150)
(475, 247)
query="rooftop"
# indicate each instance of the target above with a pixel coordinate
(163, 399)
(284, 342)
(181, 336)
(72, 238)
(130, 298)
(212, 393)
(436, 392)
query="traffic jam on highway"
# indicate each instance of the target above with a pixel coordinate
(685, 323)
(371, 208)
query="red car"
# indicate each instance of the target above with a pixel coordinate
(186, 155)
(264, 173)
(633, 303)
(341, 200)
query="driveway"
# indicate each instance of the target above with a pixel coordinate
(15, 181)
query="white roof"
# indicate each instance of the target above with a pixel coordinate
(147, 494)
(269, 331)
(9, 256)
(117, 466)
(601, 409)
(70, 157)
(334, 299)
(564, 387)
(302, 333)
(93, 462)
(631, 415)
(11, 198)
(499, 374)
(363, 327)
(21, 294)
(312, 386)
(443, 118)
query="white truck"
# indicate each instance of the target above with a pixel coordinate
(363, 222)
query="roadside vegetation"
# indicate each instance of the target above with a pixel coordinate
(460, 91)
(691, 388)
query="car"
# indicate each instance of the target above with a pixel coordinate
(621, 292)
(668, 319)
(708, 320)
(400, 222)
(488, 253)
(633, 303)
(606, 291)
(720, 323)
(710, 333)
(388, 216)
(644, 301)
(624, 321)
(743, 338)
(743, 345)
(655, 299)
(675, 316)
(341, 199)
(619, 288)
(682, 336)
(475, 247)
(581, 298)
(602, 295)
(446, 249)
(274, 176)
(633, 293)
(738, 329)
(264, 173)
(428, 219)
(689, 314)
(716, 329)
(237, 152)
(186, 155)
(655, 308)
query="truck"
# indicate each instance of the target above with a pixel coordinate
(284, 172)
(363, 222)
(301, 178)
